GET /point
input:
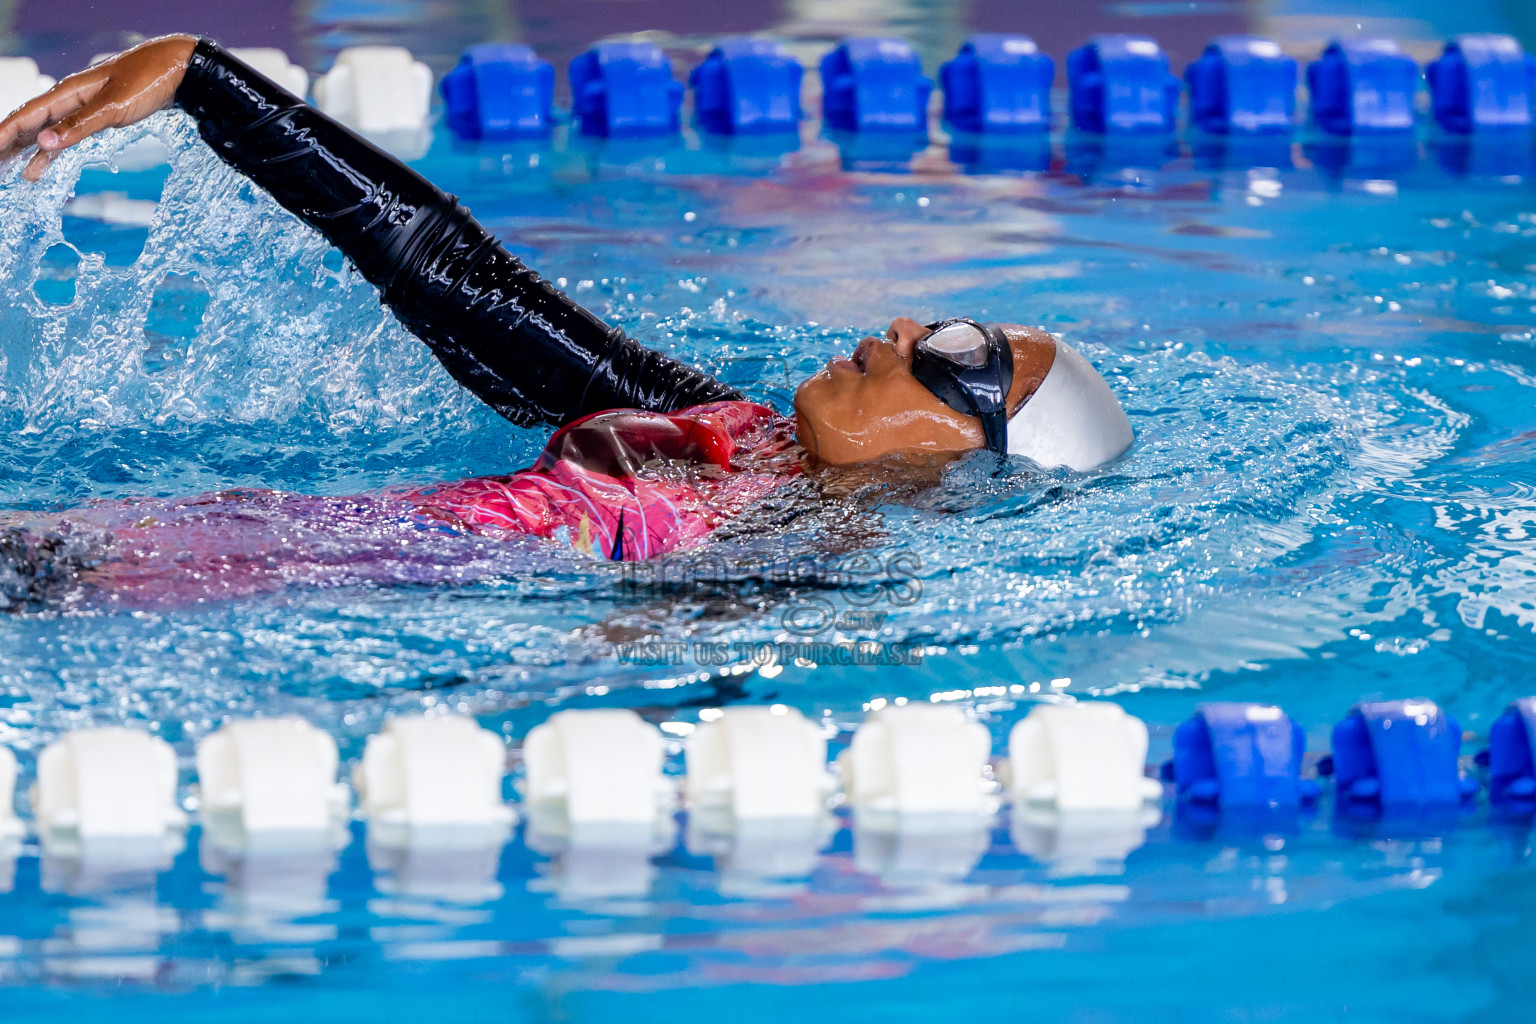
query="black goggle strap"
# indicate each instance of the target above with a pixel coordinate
(980, 391)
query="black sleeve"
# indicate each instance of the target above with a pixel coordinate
(523, 346)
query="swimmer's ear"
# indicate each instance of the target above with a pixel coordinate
(114, 93)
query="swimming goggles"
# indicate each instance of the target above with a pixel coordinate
(969, 367)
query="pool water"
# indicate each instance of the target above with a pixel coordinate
(1330, 363)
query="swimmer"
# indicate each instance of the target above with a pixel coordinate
(650, 455)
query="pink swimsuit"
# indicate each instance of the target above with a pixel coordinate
(627, 484)
(622, 484)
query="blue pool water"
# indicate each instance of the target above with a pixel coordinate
(1330, 369)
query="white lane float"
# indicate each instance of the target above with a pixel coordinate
(433, 773)
(274, 63)
(116, 207)
(1089, 755)
(599, 765)
(20, 81)
(376, 90)
(11, 828)
(10, 825)
(919, 759)
(110, 783)
(270, 775)
(758, 762)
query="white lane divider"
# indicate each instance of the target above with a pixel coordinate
(432, 773)
(111, 782)
(274, 63)
(10, 825)
(758, 762)
(271, 775)
(431, 789)
(114, 207)
(20, 80)
(918, 759)
(376, 89)
(1090, 755)
(600, 765)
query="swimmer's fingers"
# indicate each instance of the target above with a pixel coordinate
(116, 92)
(19, 131)
(104, 111)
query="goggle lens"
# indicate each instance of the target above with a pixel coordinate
(961, 343)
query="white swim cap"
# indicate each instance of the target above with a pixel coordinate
(1072, 419)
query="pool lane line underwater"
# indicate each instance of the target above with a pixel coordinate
(918, 764)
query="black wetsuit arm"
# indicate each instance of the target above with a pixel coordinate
(520, 344)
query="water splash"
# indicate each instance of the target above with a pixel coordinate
(289, 335)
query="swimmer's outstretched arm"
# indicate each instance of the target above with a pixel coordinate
(522, 346)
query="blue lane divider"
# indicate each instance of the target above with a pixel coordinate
(1122, 85)
(1242, 85)
(1396, 754)
(1482, 82)
(625, 89)
(1511, 765)
(747, 86)
(874, 84)
(1363, 85)
(1242, 100)
(998, 83)
(1240, 755)
(499, 91)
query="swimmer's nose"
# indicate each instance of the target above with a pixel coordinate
(905, 332)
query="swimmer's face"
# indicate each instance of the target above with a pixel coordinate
(861, 408)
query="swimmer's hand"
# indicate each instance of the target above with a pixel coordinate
(114, 93)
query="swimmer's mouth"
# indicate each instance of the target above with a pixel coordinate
(855, 362)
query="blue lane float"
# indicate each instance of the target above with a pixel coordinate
(874, 85)
(1482, 82)
(1362, 85)
(624, 90)
(998, 84)
(1121, 85)
(747, 86)
(1242, 85)
(1240, 755)
(499, 91)
(1511, 764)
(1391, 756)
